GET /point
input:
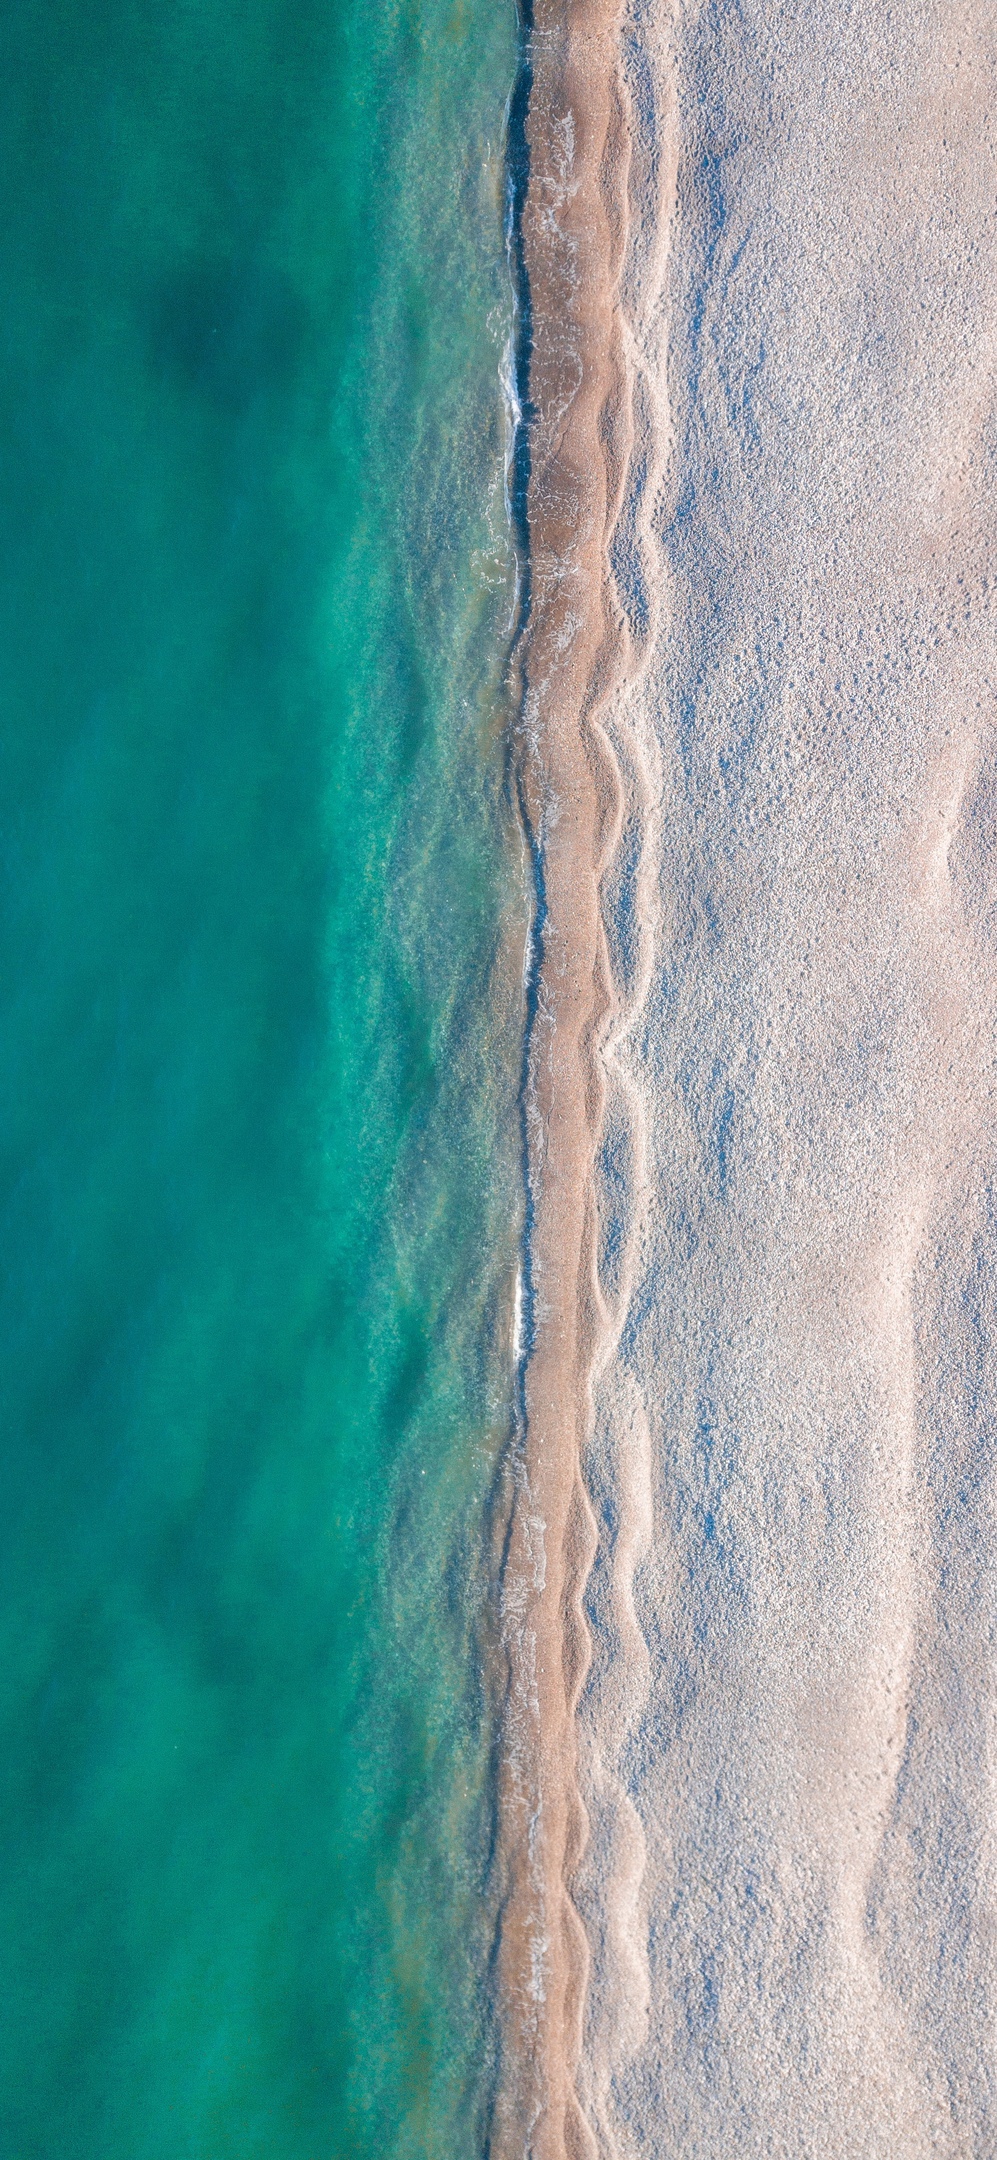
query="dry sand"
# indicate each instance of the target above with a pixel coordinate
(751, 1814)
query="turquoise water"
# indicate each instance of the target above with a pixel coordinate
(258, 1061)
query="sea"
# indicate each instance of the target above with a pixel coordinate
(261, 935)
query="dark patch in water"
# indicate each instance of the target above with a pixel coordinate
(230, 332)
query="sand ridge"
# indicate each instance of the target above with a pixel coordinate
(568, 661)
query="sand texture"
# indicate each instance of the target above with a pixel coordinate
(567, 656)
(763, 777)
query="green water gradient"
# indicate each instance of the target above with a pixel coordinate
(258, 1138)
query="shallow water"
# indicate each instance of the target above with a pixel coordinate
(259, 1050)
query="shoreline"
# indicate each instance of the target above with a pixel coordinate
(568, 242)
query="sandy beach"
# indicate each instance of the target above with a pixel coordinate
(749, 1598)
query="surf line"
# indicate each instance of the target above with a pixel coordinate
(567, 168)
